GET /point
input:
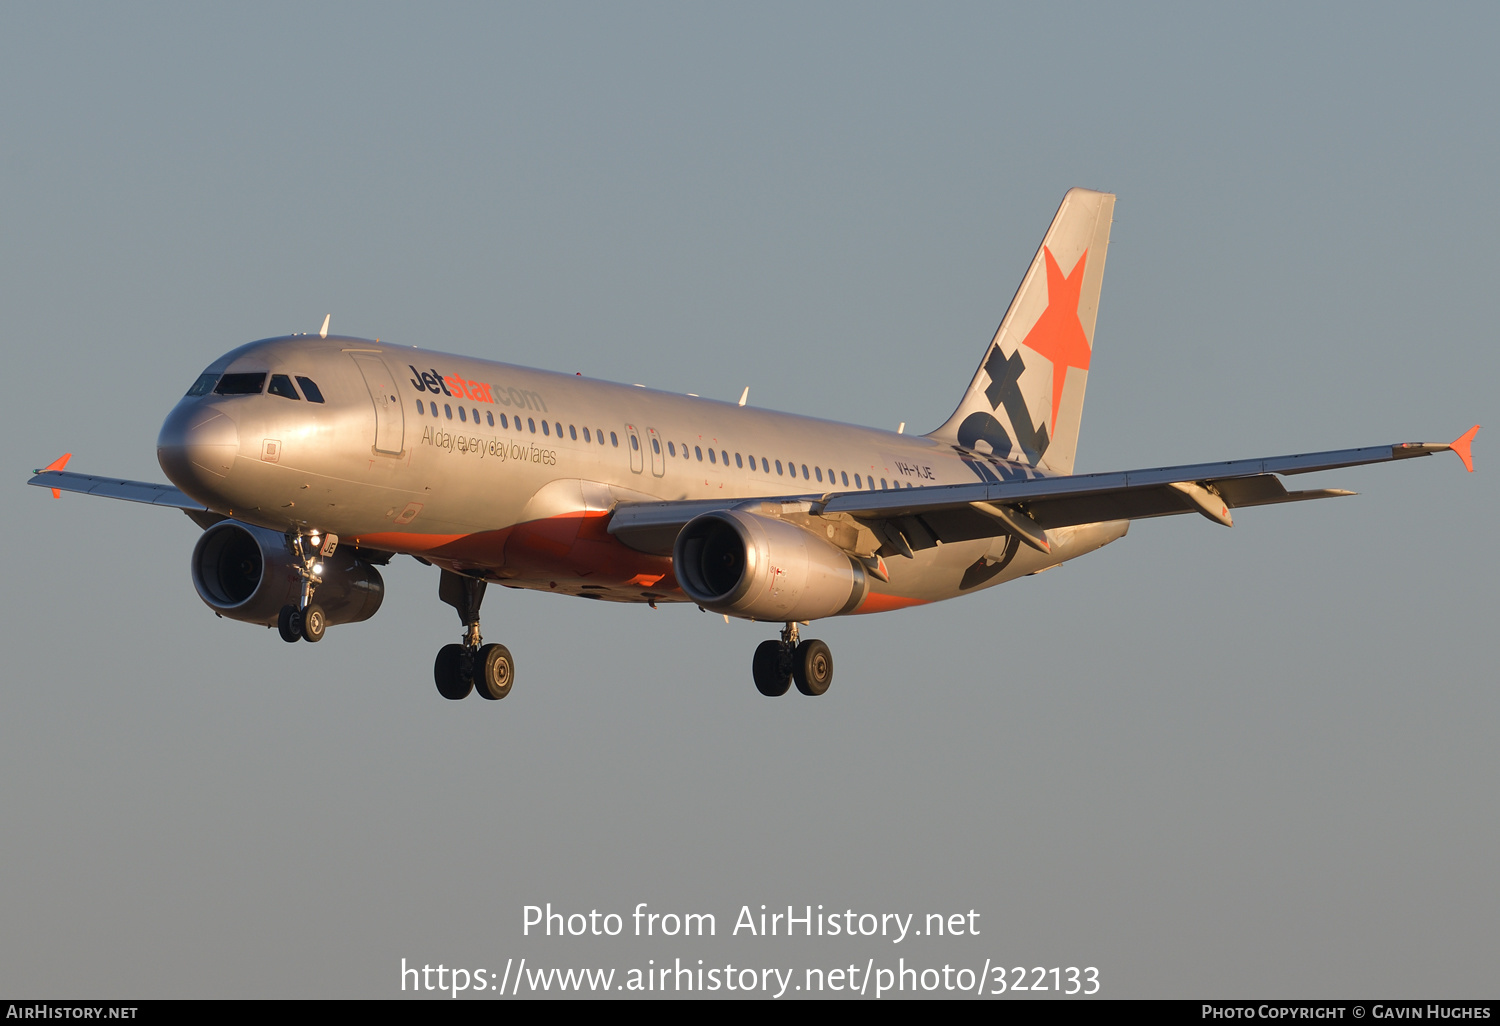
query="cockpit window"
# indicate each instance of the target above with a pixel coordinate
(204, 384)
(242, 384)
(310, 389)
(282, 385)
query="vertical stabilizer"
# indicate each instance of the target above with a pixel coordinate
(1026, 400)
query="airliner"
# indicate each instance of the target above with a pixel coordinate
(311, 460)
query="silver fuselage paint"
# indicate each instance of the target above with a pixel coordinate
(465, 492)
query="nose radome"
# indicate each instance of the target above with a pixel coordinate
(197, 446)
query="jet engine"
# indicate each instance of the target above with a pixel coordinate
(248, 573)
(762, 568)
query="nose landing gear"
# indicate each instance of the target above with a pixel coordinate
(471, 666)
(306, 621)
(777, 664)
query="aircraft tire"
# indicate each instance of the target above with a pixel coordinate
(289, 624)
(766, 667)
(812, 667)
(495, 671)
(452, 683)
(314, 623)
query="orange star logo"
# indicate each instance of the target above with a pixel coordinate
(1058, 333)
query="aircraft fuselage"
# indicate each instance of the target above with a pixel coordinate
(510, 473)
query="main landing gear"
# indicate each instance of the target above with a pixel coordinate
(459, 669)
(778, 664)
(306, 621)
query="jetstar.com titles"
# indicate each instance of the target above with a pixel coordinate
(459, 387)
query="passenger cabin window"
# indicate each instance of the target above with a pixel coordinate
(820, 473)
(711, 457)
(558, 424)
(725, 453)
(420, 408)
(766, 467)
(462, 415)
(778, 468)
(738, 462)
(586, 437)
(614, 440)
(699, 451)
(282, 385)
(204, 385)
(448, 410)
(490, 418)
(544, 428)
(573, 432)
(531, 423)
(599, 434)
(476, 415)
(804, 473)
(242, 384)
(671, 449)
(314, 395)
(434, 408)
(844, 476)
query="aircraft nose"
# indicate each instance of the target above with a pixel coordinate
(197, 447)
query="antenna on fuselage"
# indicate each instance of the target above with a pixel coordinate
(744, 395)
(324, 332)
(901, 428)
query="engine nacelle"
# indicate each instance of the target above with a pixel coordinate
(248, 573)
(748, 565)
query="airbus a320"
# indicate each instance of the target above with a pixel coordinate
(311, 460)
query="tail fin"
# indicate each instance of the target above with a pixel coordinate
(1026, 400)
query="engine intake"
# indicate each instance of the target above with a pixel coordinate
(762, 568)
(248, 573)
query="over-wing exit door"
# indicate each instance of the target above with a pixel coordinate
(658, 458)
(634, 438)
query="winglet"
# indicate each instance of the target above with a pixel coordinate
(1461, 446)
(58, 464)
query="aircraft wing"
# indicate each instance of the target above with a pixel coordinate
(916, 518)
(59, 480)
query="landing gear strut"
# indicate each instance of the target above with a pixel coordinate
(778, 663)
(306, 621)
(470, 666)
